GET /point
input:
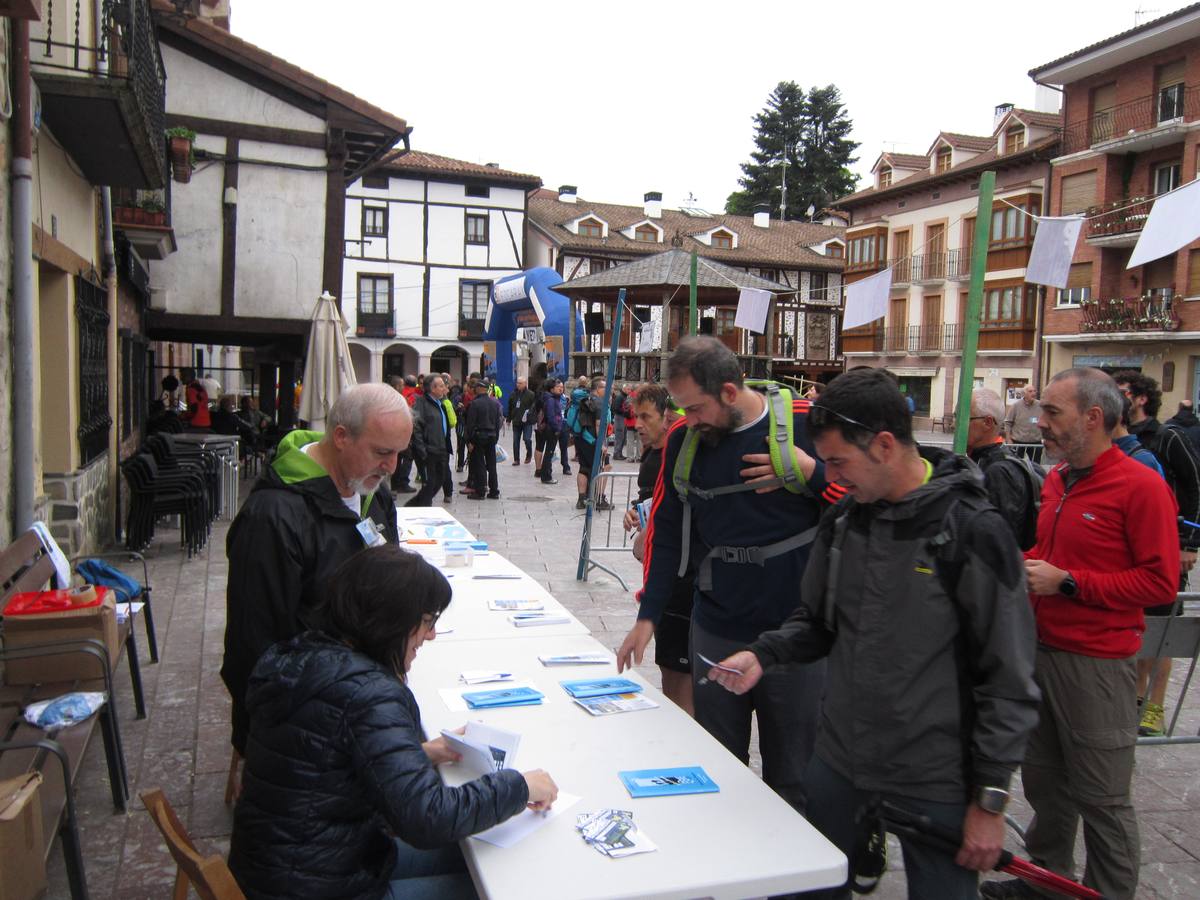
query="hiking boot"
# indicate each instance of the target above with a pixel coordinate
(528, 457)
(581, 503)
(566, 470)
(604, 504)
(493, 496)
(1012, 889)
(1152, 720)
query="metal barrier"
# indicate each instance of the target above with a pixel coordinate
(1032, 451)
(602, 523)
(1174, 637)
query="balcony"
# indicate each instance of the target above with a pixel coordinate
(470, 329)
(375, 325)
(145, 218)
(103, 100)
(920, 340)
(1143, 124)
(1155, 310)
(1121, 226)
(902, 270)
(867, 265)
(930, 267)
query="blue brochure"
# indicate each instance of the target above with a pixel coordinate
(600, 687)
(668, 782)
(521, 696)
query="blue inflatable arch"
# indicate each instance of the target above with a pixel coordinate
(527, 300)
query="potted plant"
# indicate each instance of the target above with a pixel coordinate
(180, 141)
(154, 213)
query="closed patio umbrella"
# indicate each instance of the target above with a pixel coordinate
(327, 367)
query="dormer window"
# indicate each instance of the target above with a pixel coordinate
(591, 228)
(646, 233)
(835, 250)
(885, 177)
(1014, 139)
(944, 155)
(721, 240)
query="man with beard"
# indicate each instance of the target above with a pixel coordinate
(749, 549)
(323, 499)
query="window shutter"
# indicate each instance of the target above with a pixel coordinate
(1104, 97)
(1078, 192)
(1172, 73)
(1194, 273)
(1080, 276)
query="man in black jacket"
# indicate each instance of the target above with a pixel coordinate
(322, 500)
(481, 432)
(431, 439)
(1186, 420)
(520, 418)
(1009, 479)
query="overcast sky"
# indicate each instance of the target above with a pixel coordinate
(621, 98)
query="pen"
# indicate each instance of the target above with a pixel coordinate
(493, 577)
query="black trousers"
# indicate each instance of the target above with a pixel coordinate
(546, 442)
(435, 474)
(483, 466)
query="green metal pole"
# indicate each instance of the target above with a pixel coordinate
(966, 375)
(693, 323)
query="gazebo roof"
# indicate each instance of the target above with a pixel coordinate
(647, 278)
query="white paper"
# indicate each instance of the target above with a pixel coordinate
(1053, 247)
(525, 823)
(125, 609)
(646, 337)
(752, 309)
(454, 701)
(867, 300)
(1174, 222)
(484, 748)
(62, 569)
(482, 676)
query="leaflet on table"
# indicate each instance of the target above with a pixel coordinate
(600, 687)
(524, 620)
(484, 748)
(514, 696)
(667, 782)
(482, 676)
(616, 703)
(503, 604)
(453, 696)
(477, 547)
(576, 659)
(525, 823)
(433, 528)
(612, 832)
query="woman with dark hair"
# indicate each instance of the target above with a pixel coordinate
(340, 795)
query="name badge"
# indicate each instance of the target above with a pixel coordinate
(1033, 420)
(368, 530)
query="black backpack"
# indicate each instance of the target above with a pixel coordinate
(1035, 477)
(1160, 451)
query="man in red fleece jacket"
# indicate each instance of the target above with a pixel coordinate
(1106, 548)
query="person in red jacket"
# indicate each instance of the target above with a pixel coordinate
(1107, 548)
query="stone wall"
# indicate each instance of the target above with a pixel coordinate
(80, 507)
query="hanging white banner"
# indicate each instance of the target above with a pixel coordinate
(1053, 247)
(752, 309)
(867, 300)
(1174, 222)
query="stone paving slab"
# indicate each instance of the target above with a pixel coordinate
(183, 747)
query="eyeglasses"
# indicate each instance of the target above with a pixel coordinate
(817, 413)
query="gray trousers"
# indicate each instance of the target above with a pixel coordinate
(787, 701)
(1079, 764)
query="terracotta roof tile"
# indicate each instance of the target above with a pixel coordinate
(907, 160)
(423, 162)
(1039, 119)
(783, 244)
(977, 142)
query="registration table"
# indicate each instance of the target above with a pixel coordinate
(743, 841)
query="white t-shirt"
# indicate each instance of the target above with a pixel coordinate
(353, 502)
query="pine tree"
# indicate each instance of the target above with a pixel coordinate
(813, 130)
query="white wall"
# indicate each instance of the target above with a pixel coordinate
(192, 276)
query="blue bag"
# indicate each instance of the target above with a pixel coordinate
(96, 571)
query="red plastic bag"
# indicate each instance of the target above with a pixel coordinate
(35, 602)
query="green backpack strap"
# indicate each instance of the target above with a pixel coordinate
(782, 428)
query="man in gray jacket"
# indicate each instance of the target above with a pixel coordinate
(915, 592)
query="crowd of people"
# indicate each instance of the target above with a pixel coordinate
(904, 623)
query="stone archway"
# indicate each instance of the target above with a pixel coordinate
(400, 359)
(450, 358)
(360, 359)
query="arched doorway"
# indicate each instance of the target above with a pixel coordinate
(360, 359)
(450, 359)
(400, 359)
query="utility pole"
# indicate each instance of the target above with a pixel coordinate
(783, 190)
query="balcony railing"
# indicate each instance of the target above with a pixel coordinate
(100, 95)
(1131, 118)
(869, 265)
(929, 267)
(1129, 217)
(1155, 310)
(906, 339)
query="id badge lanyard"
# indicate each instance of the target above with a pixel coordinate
(370, 532)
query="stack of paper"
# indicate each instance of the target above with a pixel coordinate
(612, 832)
(484, 748)
(599, 687)
(515, 696)
(668, 782)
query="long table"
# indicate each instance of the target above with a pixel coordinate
(743, 841)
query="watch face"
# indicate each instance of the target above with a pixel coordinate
(993, 800)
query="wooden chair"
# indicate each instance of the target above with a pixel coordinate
(210, 876)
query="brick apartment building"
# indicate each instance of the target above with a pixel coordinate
(1131, 132)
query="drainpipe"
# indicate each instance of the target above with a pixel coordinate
(22, 289)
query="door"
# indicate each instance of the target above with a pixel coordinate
(902, 271)
(931, 322)
(897, 331)
(935, 251)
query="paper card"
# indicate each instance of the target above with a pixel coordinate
(525, 823)
(484, 748)
(483, 676)
(752, 309)
(453, 697)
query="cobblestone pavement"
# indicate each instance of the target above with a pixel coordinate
(183, 746)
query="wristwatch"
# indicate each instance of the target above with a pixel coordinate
(1067, 587)
(992, 799)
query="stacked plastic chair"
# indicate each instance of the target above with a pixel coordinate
(154, 493)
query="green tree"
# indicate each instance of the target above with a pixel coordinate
(811, 130)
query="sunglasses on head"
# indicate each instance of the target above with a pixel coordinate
(821, 417)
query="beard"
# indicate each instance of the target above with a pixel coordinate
(360, 485)
(712, 435)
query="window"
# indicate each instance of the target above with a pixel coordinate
(818, 286)
(472, 307)
(866, 250)
(1012, 225)
(835, 251)
(724, 323)
(1078, 192)
(1104, 98)
(1008, 307)
(374, 221)
(91, 317)
(1193, 282)
(1167, 177)
(374, 296)
(1014, 139)
(376, 182)
(944, 155)
(721, 240)
(591, 228)
(646, 233)
(478, 190)
(1170, 80)
(133, 382)
(477, 229)
(885, 177)
(1079, 285)
(770, 275)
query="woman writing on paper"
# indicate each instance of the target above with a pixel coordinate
(340, 795)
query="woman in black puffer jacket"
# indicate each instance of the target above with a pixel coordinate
(340, 796)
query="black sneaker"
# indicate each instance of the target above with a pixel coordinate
(1012, 889)
(493, 496)
(566, 471)
(406, 489)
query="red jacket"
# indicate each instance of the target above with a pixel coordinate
(410, 394)
(1115, 531)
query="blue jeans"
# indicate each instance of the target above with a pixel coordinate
(522, 432)
(932, 874)
(430, 875)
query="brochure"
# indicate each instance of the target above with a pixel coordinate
(576, 659)
(616, 703)
(668, 782)
(526, 619)
(518, 696)
(515, 605)
(484, 748)
(600, 687)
